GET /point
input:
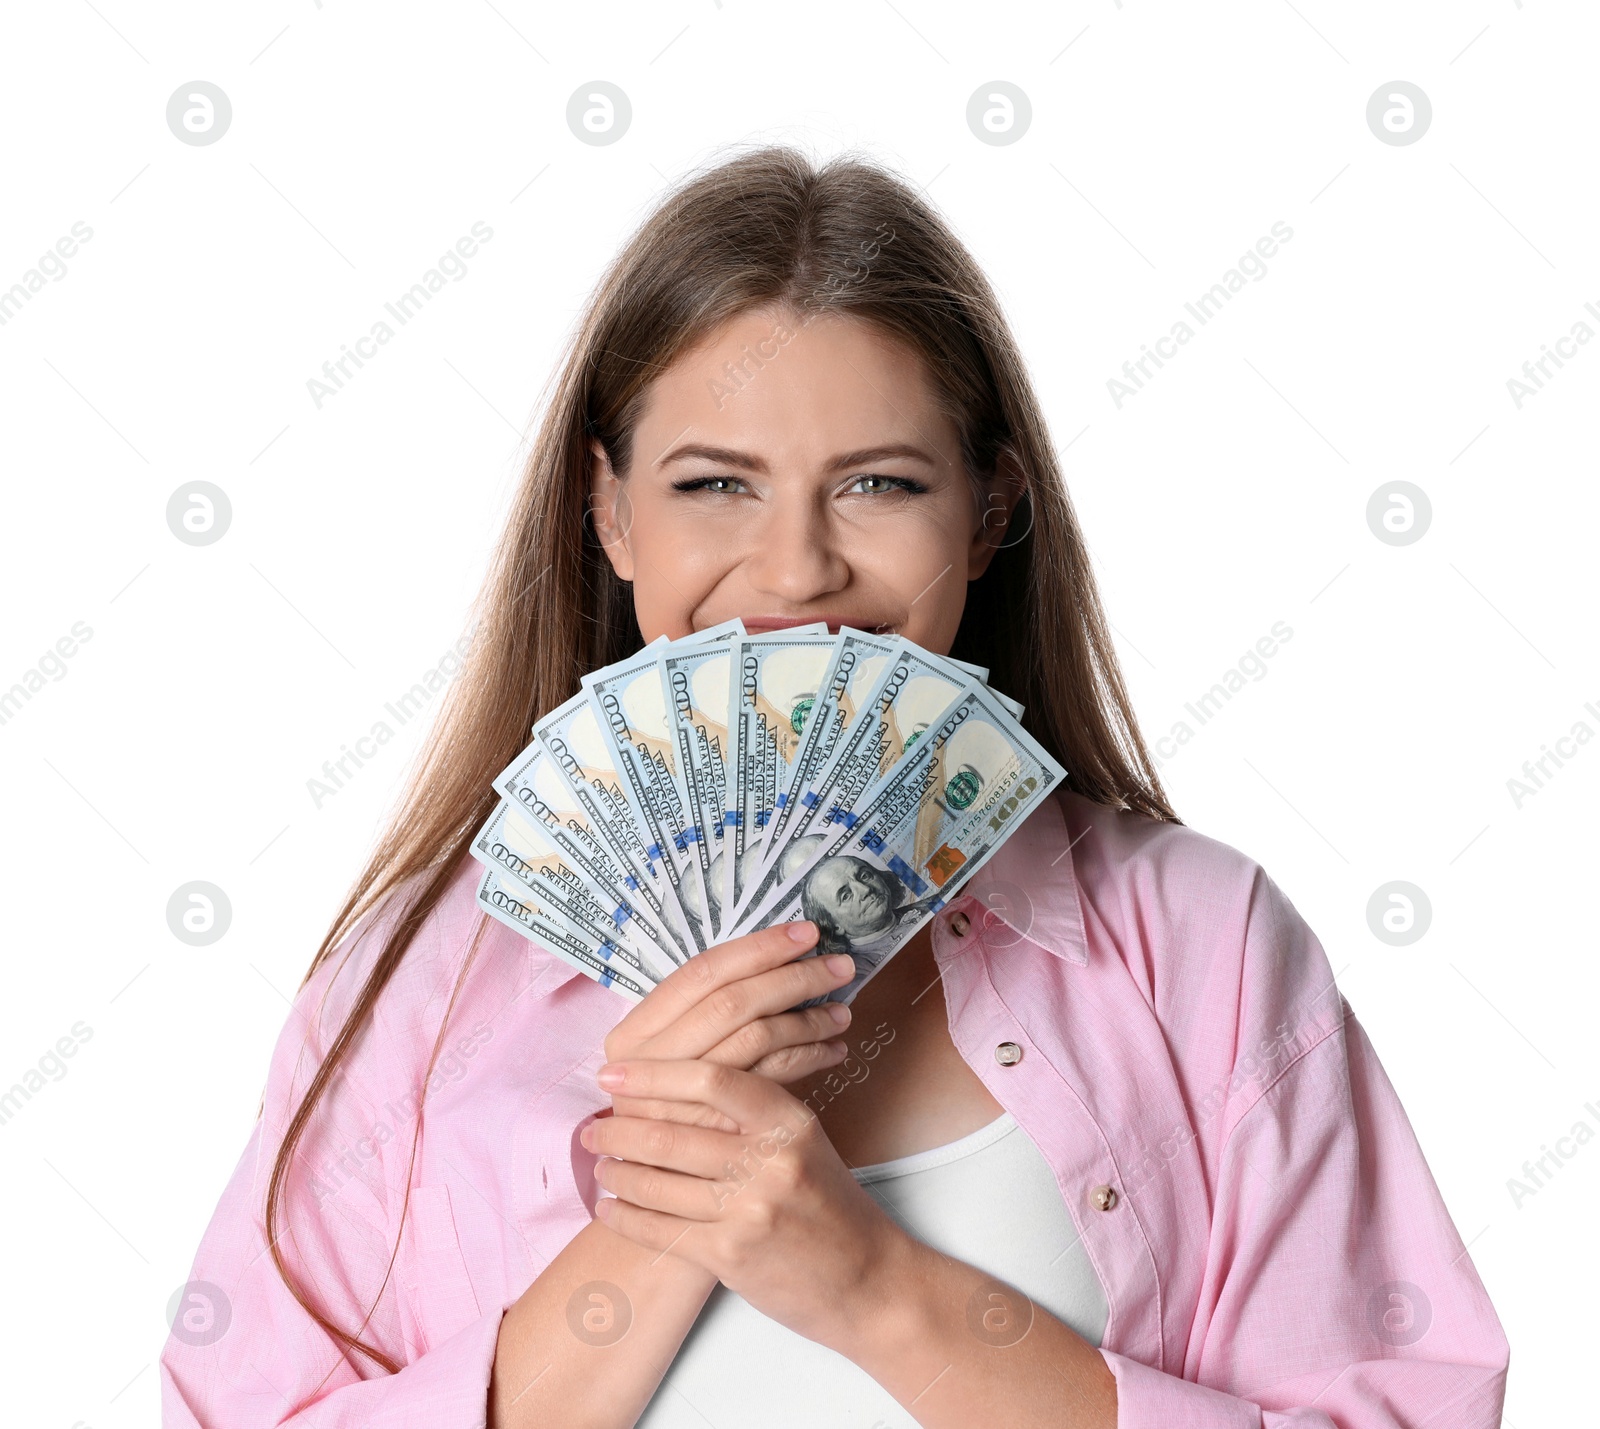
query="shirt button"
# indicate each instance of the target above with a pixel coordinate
(1103, 1198)
(959, 924)
(1008, 1054)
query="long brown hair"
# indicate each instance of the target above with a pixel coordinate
(765, 229)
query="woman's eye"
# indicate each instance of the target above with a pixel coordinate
(869, 485)
(717, 485)
(874, 485)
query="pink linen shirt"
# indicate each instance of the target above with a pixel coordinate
(1143, 999)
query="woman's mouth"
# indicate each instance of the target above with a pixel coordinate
(761, 624)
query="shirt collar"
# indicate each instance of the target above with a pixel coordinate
(1031, 888)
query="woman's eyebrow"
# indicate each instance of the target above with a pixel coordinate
(745, 461)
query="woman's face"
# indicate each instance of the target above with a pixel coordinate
(820, 482)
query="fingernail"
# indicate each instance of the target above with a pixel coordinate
(838, 1012)
(804, 931)
(610, 1075)
(841, 963)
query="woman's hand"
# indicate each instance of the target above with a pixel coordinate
(770, 1209)
(730, 1006)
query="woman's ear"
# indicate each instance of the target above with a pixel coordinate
(609, 511)
(997, 502)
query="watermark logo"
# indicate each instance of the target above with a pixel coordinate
(199, 914)
(1399, 112)
(199, 112)
(340, 1169)
(1399, 513)
(1013, 914)
(736, 376)
(49, 265)
(199, 513)
(1536, 371)
(1250, 669)
(1399, 1313)
(50, 1067)
(337, 773)
(1253, 1071)
(850, 1072)
(999, 112)
(51, 665)
(1536, 773)
(599, 112)
(1399, 913)
(998, 1315)
(451, 264)
(599, 1313)
(199, 1313)
(1539, 1172)
(1251, 265)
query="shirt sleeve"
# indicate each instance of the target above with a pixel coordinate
(1337, 1293)
(243, 1351)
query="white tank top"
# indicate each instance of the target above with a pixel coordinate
(989, 1199)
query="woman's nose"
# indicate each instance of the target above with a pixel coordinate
(794, 556)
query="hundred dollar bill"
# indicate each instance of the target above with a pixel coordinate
(976, 672)
(535, 787)
(572, 738)
(981, 672)
(518, 909)
(872, 879)
(854, 665)
(698, 691)
(912, 691)
(718, 634)
(758, 728)
(514, 846)
(579, 753)
(631, 706)
(779, 682)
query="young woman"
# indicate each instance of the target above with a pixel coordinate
(1103, 1146)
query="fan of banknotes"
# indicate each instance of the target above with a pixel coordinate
(713, 785)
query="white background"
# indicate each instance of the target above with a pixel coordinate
(1229, 494)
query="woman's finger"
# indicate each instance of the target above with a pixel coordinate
(683, 1113)
(793, 1064)
(686, 986)
(783, 1066)
(651, 1229)
(753, 1102)
(730, 1007)
(749, 1044)
(690, 1198)
(692, 1150)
